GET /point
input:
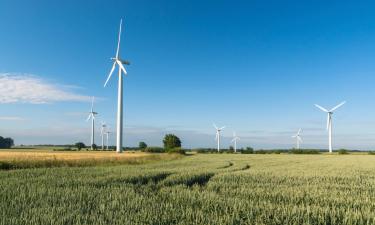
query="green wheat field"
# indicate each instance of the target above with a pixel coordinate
(196, 189)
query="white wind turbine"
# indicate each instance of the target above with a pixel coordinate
(92, 117)
(298, 137)
(235, 139)
(119, 62)
(218, 130)
(329, 121)
(102, 132)
(107, 136)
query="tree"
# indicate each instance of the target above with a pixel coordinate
(248, 150)
(6, 142)
(94, 147)
(171, 141)
(142, 145)
(80, 145)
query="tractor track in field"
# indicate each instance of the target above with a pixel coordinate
(157, 181)
(230, 164)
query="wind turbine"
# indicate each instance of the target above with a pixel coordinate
(235, 139)
(298, 137)
(102, 131)
(92, 117)
(329, 121)
(218, 130)
(107, 135)
(119, 62)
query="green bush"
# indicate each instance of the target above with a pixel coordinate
(154, 150)
(176, 151)
(64, 149)
(305, 151)
(204, 150)
(371, 152)
(343, 152)
(248, 150)
(261, 152)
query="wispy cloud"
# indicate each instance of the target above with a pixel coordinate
(26, 88)
(11, 118)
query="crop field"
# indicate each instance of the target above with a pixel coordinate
(196, 189)
(36, 158)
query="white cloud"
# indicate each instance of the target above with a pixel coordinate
(26, 88)
(11, 118)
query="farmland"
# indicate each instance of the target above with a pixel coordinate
(36, 158)
(196, 189)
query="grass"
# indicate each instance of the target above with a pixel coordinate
(198, 189)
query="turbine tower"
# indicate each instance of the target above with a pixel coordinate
(92, 117)
(218, 130)
(102, 132)
(298, 137)
(235, 139)
(121, 69)
(107, 135)
(329, 122)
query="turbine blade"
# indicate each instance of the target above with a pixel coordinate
(338, 106)
(299, 131)
(215, 126)
(88, 117)
(222, 128)
(328, 120)
(119, 40)
(300, 139)
(321, 108)
(110, 74)
(92, 103)
(121, 66)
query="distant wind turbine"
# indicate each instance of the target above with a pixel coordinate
(102, 132)
(117, 61)
(298, 137)
(92, 117)
(235, 139)
(218, 130)
(107, 136)
(329, 121)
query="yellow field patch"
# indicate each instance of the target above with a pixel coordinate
(67, 155)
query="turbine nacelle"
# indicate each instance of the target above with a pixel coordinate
(298, 135)
(218, 129)
(92, 113)
(124, 62)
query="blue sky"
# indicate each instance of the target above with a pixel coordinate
(255, 66)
